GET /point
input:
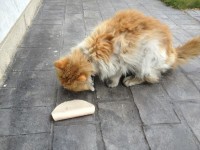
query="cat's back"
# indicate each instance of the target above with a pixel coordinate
(134, 21)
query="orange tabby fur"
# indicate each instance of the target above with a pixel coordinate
(128, 42)
(74, 69)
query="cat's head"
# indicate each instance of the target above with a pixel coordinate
(74, 72)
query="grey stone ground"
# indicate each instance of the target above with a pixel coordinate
(164, 116)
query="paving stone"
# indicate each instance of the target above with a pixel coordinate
(74, 9)
(153, 104)
(138, 7)
(170, 11)
(117, 93)
(25, 142)
(80, 137)
(34, 64)
(170, 23)
(195, 77)
(91, 5)
(30, 53)
(5, 96)
(52, 6)
(92, 14)
(100, 141)
(181, 17)
(74, 23)
(104, 4)
(192, 12)
(29, 89)
(48, 21)
(122, 113)
(191, 113)
(35, 59)
(37, 79)
(60, 2)
(134, 5)
(197, 17)
(179, 87)
(12, 79)
(91, 23)
(192, 66)
(106, 17)
(74, 19)
(30, 96)
(120, 126)
(76, 2)
(190, 27)
(120, 6)
(50, 16)
(173, 137)
(193, 32)
(186, 22)
(176, 42)
(135, 2)
(72, 28)
(23, 53)
(18, 65)
(197, 12)
(184, 35)
(24, 120)
(66, 50)
(88, 32)
(145, 11)
(43, 36)
(107, 13)
(160, 16)
(71, 40)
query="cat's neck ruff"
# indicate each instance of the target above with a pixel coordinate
(87, 56)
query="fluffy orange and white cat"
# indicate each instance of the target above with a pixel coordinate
(127, 42)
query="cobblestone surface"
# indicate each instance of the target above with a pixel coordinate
(162, 116)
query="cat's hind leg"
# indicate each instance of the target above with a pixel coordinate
(152, 78)
(132, 80)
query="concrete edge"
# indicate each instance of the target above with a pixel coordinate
(8, 46)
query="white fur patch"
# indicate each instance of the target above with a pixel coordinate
(147, 59)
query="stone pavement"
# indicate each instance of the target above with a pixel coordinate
(164, 116)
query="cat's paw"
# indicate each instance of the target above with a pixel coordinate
(111, 83)
(130, 81)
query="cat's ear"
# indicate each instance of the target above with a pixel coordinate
(60, 64)
(82, 77)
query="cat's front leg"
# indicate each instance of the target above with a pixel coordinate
(113, 81)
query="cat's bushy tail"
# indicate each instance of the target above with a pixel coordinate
(187, 51)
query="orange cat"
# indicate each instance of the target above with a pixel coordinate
(128, 42)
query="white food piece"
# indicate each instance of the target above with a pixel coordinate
(72, 109)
